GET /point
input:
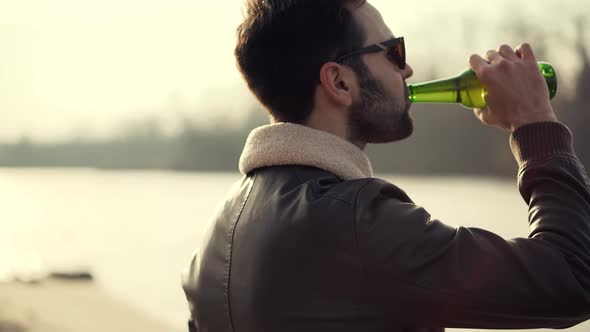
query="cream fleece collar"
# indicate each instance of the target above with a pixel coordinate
(291, 144)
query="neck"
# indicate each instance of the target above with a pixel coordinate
(335, 124)
(358, 142)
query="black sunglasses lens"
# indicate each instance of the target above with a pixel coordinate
(398, 54)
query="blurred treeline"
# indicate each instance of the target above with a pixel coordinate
(447, 140)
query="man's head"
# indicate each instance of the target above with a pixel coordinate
(288, 51)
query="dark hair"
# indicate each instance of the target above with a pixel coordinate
(282, 45)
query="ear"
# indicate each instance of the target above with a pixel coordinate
(337, 82)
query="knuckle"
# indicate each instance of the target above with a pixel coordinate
(475, 59)
(504, 65)
(484, 74)
(504, 48)
(528, 49)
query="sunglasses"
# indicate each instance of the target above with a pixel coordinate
(396, 51)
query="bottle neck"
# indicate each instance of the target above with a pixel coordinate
(438, 91)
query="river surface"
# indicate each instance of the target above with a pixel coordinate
(136, 230)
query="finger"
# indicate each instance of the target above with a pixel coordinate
(525, 51)
(494, 56)
(507, 52)
(487, 118)
(476, 62)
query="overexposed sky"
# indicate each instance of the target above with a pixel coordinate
(85, 67)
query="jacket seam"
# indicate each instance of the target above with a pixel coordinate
(311, 181)
(337, 199)
(231, 245)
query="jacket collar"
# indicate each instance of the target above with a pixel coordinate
(282, 144)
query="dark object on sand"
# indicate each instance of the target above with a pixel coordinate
(72, 275)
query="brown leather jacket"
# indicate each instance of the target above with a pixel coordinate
(299, 248)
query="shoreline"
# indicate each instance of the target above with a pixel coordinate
(57, 305)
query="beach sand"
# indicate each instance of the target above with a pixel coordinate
(68, 306)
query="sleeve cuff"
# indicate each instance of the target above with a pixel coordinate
(540, 140)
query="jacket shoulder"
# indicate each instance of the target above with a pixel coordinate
(376, 188)
(314, 182)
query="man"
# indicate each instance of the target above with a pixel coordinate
(309, 241)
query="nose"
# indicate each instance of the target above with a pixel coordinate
(407, 72)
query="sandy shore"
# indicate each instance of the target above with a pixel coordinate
(68, 306)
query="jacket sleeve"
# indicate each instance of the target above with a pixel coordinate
(428, 274)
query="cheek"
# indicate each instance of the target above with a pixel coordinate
(393, 83)
(390, 77)
(386, 73)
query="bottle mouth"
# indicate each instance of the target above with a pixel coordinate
(410, 93)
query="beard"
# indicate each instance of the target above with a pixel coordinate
(379, 117)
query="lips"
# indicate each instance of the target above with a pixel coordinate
(406, 90)
(407, 97)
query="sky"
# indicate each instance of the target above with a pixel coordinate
(87, 67)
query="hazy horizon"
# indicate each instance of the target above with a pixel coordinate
(85, 68)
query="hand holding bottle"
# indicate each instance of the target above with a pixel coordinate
(516, 91)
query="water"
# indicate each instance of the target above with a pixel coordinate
(137, 230)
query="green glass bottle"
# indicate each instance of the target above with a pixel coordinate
(466, 89)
